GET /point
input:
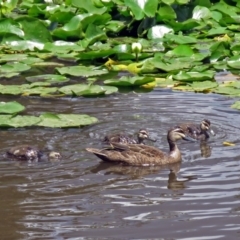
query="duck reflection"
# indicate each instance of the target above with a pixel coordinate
(136, 172)
(206, 149)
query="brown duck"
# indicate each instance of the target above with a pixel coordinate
(142, 135)
(143, 155)
(199, 132)
(30, 153)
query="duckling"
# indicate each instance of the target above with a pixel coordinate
(199, 132)
(30, 153)
(125, 139)
(143, 155)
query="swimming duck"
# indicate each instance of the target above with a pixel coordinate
(29, 153)
(143, 155)
(125, 139)
(199, 132)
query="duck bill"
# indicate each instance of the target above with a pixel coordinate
(212, 132)
(151, 139)
(187, 138)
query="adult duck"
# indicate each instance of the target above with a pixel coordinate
(143, 155)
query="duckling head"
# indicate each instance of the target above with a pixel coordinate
(143, 134)
(54, 155)
(205, 126)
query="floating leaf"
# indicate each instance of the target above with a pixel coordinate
(87, 90)
(81, 71)
(227, 91)
(65, 120)
(236, 105)
(11, 107)
(49, 78)
(129, 81)
(14, 67)
(229, 144)
(18, 121)
(39, 91)
(203, 86)
(194, 76)
(13, 89)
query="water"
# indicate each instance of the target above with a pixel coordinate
(81, 197)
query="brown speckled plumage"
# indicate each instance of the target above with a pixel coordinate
(199, 132)
(29, 153)
(126, 139)
(137, 154)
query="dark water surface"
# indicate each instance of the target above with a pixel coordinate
(82, 198)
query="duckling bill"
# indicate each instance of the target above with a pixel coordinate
(142, 135)
(143, 155)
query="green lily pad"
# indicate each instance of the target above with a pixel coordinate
(18, 121)
(179, 39)
(49, 78)
(65, 120)
(236, 105)
(12, 57)
(81, 71)
(42, 91)
(227, 91)
(203, 86)
(14, 67)
(11, 107)
(194, 76)
(126, 81)
(173, 65)
(87, 90)
(13, 89)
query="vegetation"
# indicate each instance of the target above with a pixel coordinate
(85, 44)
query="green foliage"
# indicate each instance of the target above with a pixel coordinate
(184, 42)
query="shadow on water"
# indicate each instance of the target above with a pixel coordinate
(81, 197)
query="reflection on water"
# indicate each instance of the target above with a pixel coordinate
(81, 197)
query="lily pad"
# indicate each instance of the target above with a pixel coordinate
(65, 120)
(194, 76)
(18, 121)
(236, 105)
(129, 81)
(13, 89)
(87, 90)
(81, 71)
(11, 107)
(14, 67)
(39, 91)
(49, 78)
(203, 86)
(227, 91)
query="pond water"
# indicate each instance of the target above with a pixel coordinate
(80, 197)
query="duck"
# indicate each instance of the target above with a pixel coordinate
(198, 132)
(30, 153)
(143, 155)
(142, 135)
